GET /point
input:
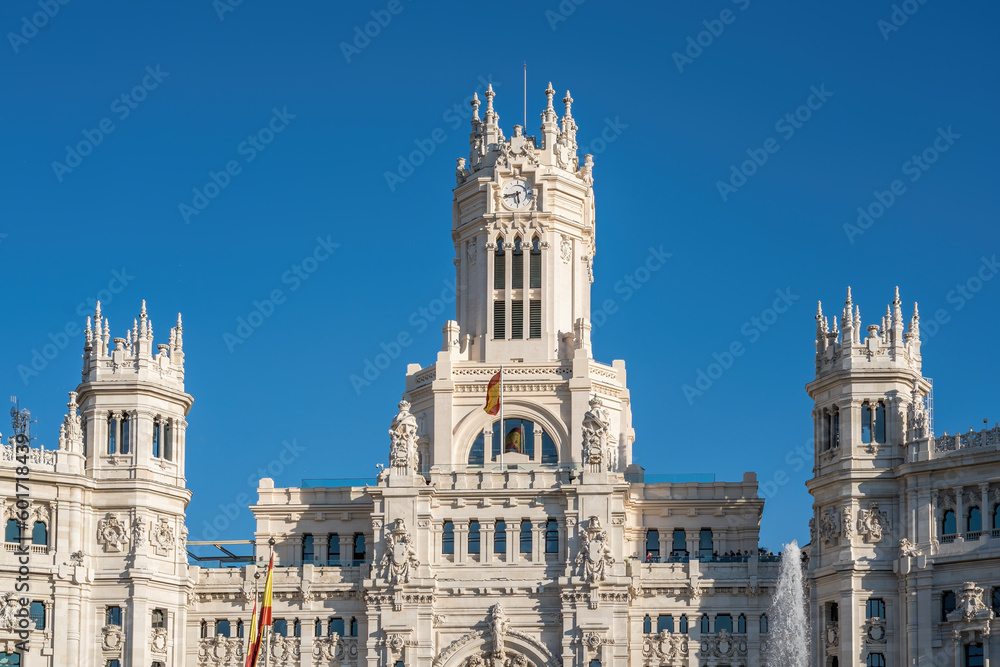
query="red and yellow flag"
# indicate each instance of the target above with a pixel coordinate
(493, 395)
(252, 635)
(265, 616)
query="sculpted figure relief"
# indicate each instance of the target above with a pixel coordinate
(403, 435)
(595, 555)
(400, 555)
(596, 425)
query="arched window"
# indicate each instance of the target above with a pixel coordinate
(448, 538)
(517, 266)
(500, 283)
(647, 625)
(652, 546)
(684, 624)
(12, 533)
(664, 623)
(517, 436)
(704, 625)
(239, 629)
(549, 453)
(763, 624)
(948, 604)
(156, 437)
(866, 423)
(974, 523)
(477, 455)
(500, 538)
(535, 270)
(551, 537)
(880, 422)
(876, 660)
(741, 624)
(473, 537)
(308, 549)
(112, 434)
(948, 524)
(996, 518)
(500, 267)
(37, 614)
(126, 433)
(525, 537)
(204, 629)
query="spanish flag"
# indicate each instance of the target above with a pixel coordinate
(252, 635)
(493, 395)
(265, 617)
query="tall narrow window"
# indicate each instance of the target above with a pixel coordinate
(499, 320)
(499, 538)
(159, 619)
(239, 629)
(525, 537)
(473, 537)
(308, 549)
(834, 612)
(647, 625)
(996, 518)
(112, 435)
(836, 428)
(359, 548)
(126, 433)
(113, 616)
(880, 422)
(948, 524)
(517, 266)
(535, 318)
(222, 627)
(12, 533)
(652, 545)
(763, 624)
(741, 624)
(448, 538)
(204, 629)
(535, 270)
(948, 604)
(156, 438)
(704, 625)
(866, 423)
(705, 543)
(318, 630)
(83, 434)
(517, 319)
(684, 624)
(168, 440)
(333, 549)
(499, 267)
(37, 614)
(678, 546)
(825, 430)
(297, 628)
(974, 655)
(974, 524)
(40, 534)
(551, 537)
(354, 627)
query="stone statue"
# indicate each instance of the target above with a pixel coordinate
(498, 628)
(400, 555)
(403, 435)
(970, 604)
(595, 555)
(596, 424)
(7, 619)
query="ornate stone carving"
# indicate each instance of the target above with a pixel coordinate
(220, 650)
(284, 650)
(829, 525)
(724, 645)
(832, 635)
(970, 604)
(403, 436)
(305, 590)
(471, 252)
(499, 625)
(112, 639)
(595, 554)
(917, 416)
(400, 555)
(665, 647)
(8, 617)
(596, 426)
(112, 533)
(873, 523)
(906, 548)
(565, 250)
(162, 537)
(874, 630)
(158, 640)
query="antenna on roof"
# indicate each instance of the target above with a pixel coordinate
(525, 94)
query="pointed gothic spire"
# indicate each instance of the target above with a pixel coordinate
(846, 319)
(475, 108)
(568, 101)
(137, 331)
(915, 322)
(897, 311)
(490, 116)
(97, 315)
(821, 327)
(88, 334)
(149, 329)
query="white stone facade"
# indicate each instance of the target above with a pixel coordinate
(557, 550)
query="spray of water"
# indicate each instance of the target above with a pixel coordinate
(788, 643)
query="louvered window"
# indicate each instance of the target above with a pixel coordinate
(499, 320)
(517, 319)
(534, 318)
(499, 267)
(517, 267)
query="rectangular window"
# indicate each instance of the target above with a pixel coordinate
(723, 622)
(448, 538)
(113, 616)
(705, 543)
(551, 537)
(535, 279)
(500, 320)
(308, 550)
(359, 548)
(517, 269)
(875, 608)
(517, 319)
(534, 319)
(866, 423)
(678, 545)
(974, 655)
(37, 614)
(880, 422)
(652, 545)
(333, 549)
(168, 441)
(280, 627)
(159, 619)
(525, 537)
(836, 429)
(499, 267)
(500, 538)
(126, 434)
(336, 627)
(156, 439)
(222, 627)
(112, 436)
(665, 623)
(473, 537)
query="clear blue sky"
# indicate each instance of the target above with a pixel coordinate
(347, 114)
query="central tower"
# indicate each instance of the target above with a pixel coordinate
(523, 227)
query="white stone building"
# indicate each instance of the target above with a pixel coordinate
(540, 542)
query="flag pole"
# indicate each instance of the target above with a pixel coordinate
(525, 96)
(503, 445)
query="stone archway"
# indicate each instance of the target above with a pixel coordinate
(496, 646)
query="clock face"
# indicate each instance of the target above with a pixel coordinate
(516, 194)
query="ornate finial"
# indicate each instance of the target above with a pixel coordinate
(88, 332)
(489, 97)
(848, 302)
(149, 329)
(107, 328)
(142, 313)
(897, 311)
(97, 314)
(549, 94)
(475, 106)
(179, 327)
(819, 309)
(857, 317)
(916, 313)
(568, 101)
(896, 298)
(135, 328)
